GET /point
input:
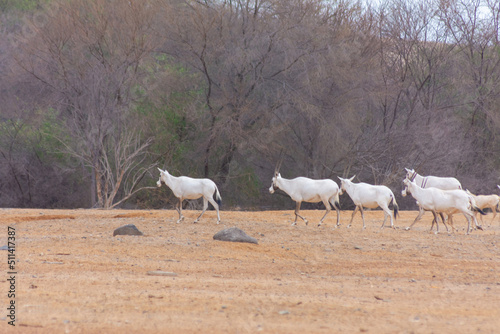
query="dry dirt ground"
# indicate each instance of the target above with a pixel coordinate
(73, 276)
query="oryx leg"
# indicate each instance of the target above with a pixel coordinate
(179, 210)
(387, 212)
(432, 224)
(442, 219)
(338, 211)
(420, 214)
(450, 221)
(205, 206)
(297, 209)
(444, 223)
(362, 215)
(328, 209)
(468, 222)
(479, 227)
(437, 222)
(352, 217)
(216, 206)
(493, 210)
(453, 228)
(480, 216)
(385, 219)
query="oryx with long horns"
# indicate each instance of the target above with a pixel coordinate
(303, 189)
(185, 187)
(370, 196)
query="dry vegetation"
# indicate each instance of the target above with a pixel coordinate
(95, 94)
(75, 277)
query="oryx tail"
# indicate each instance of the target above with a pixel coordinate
(473, 205)
(395, 206)
(475, 208)
(218, 199)
(336, 202)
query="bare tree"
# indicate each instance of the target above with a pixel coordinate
(475, 32)
(244, 53)
(89, 55)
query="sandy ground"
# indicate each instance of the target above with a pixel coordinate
(73, 276)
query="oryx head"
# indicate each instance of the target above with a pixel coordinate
(406, 190)
(410, 174)
(274, 185)
(345, 183)
(162, 173)
(277, 175)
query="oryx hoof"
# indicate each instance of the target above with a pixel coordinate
(407, 229)
(349, 226)
(294, 223)
(480, 228)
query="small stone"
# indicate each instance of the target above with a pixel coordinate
(234, 234)
(129, 229)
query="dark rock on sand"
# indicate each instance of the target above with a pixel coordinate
(129, 229)
(234, 234)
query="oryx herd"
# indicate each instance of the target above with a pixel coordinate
(440, 195)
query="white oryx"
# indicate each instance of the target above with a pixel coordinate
(185, 187)
(443, 183)
(442, 201)
(422, 210)
(486, 201)
(370, 196)
(303, 189)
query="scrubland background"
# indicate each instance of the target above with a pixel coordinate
(94, 95)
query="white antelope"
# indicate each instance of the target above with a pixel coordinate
(185, 187)
(486, 201)
(303, 189)
(370, 196)
(422, 210)
(444, 183)
(444, 201)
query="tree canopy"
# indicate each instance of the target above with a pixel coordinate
(96, 94)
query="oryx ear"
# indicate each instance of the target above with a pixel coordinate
(341, 179)
(408, 170)
(160, 170)
(352, 178)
